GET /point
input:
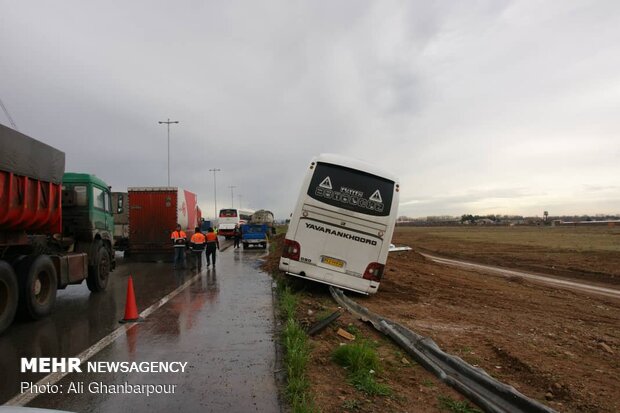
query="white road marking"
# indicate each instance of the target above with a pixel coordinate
(53, 378)
(608, 292)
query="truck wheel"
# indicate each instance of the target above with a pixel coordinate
(38, 283)
(98, 274)
(245, 245)
(8, 295)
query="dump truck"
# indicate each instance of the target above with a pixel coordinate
(55, 227)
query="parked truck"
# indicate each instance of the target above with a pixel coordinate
(254, 235)
(55, 227)
(154, 213)
(263, 216)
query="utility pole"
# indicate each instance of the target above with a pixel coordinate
(240, 200)
(232, 197)
(214, 170)
(168, 122)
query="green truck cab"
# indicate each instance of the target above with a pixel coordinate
(88, 222)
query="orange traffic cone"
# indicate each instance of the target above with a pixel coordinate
(131, 309)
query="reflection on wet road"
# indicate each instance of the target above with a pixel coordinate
(221, 325)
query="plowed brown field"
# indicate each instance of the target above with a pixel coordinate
(558, 346)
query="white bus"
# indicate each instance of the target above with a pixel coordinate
(342, 225)
(230, 217)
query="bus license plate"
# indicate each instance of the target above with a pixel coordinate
(332, 261)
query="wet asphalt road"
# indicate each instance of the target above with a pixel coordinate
(222, 325)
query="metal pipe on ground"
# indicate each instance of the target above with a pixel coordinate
(474, 383)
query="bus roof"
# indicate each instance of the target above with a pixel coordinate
(354, 164)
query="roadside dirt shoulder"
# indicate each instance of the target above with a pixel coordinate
(557, 346)
(554, 345)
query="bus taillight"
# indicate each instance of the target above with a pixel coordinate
(374, 271)
(292, 250)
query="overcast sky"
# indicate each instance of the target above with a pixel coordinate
(509, 107)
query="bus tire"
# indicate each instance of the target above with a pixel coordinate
(9, 294)
(99, 274)
(38, 283)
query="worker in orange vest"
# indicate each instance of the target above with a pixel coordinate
(212, 244)
(197, 245)
(179, 238)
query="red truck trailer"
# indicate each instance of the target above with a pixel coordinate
(50, 227)
(153, 214)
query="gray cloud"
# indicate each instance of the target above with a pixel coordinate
(489, 106)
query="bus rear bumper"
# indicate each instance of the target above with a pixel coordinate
(339, 280)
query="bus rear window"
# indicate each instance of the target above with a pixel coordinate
(351, 189)
(228, 213)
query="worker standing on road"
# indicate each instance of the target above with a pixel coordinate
(237, 236)
(179, 238)
(197, 244)
(212, 244)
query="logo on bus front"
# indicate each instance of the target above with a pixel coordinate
(352, 197)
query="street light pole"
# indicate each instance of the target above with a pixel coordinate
(232, 198)
(168, 122)
(214, 170)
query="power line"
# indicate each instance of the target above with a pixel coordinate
(8, 115)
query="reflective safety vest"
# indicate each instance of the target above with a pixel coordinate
(198, 238)
(211, 237)
(178, 237)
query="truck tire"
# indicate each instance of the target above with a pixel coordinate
(8, 295)
(245, 245)
(38, 283)
(99, 273)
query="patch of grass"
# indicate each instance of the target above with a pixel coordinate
(357, 357)
(351, 404)
(297, 349)
(354, 330)
(362, 362)
(288, 303)
(367, 383)
(281, 229)
(323, 314)
(297, 354)
(428, 383)
(466, 350)
(449, 404)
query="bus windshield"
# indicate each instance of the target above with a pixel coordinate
(351, 189)
(228, 213)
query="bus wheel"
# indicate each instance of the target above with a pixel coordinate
(38, 283)
(99, 273)
(8, 295)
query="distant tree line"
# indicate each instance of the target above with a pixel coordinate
(466, 219)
